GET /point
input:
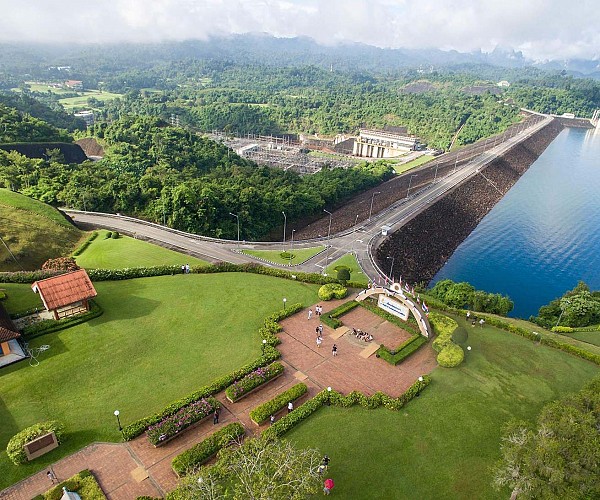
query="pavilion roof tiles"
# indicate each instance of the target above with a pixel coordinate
(8, 331)
(65, 289)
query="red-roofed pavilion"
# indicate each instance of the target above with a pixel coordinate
(66, 295)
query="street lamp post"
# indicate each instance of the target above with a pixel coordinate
(284, 228)
(328, 396)
(391, 267)
(117, 413)
(284, 301)
(455, 163)
(264, 344)
(238, 228)
(436, 169)
(292, 246)
(409, 184)
(328, 236)
(372, 198)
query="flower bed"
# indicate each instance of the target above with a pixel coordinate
(191, 459)
(169, 427)
(265, 410)
(252, 381)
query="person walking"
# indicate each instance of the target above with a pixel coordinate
(321, 328)
(319, 341)
(216, 417)
(52, 477)
(290, 407)
(272, 419)
(309, 314)
(334, 350)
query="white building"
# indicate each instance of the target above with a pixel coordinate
(383, 144)
(87, 116)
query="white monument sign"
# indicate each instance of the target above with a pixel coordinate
(393, 307)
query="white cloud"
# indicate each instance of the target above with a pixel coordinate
(542, 29)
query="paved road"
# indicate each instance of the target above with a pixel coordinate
(361, 240)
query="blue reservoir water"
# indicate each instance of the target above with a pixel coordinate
(544, 235)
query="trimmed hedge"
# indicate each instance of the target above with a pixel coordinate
(80, 249)
(403, 351)
(184, 418)
(192, 458)
(265, 410)
(27, 277)
(563, 329)
(444, 327)
(252, 380)
(331, 291)
(378, 399)
(15, 450)
(84, 483)
(51, 325)
(331, 318)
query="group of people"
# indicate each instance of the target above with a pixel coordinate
(360, 335)
(318, 311)
(185, 269)
(474, 321)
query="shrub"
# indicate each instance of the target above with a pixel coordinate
(403, 351)
(452, 355)
(444, 327)
(108, 235)
(181, 420)
(188, 461)
(332, 290)
(115, 235)
(80, 249)
(563, 329)
(287, 255)
(343, 274)
(265, 410)
(2, 295)
(51, 325)
(60, 264)
(253, 380)
(15, 450)
(83, 483)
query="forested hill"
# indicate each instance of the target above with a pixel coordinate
(21, 127)
(173, 176)
(56, 116)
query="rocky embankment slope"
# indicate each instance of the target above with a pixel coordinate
(424, 244)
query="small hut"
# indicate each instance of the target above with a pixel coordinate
(66, 295)
(10, 350)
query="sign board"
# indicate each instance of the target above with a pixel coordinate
(393, 307)
(40, 446)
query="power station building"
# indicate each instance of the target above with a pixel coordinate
(384, 143)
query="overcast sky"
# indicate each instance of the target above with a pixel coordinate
(541, 29)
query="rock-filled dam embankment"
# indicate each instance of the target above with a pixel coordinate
(423, 245)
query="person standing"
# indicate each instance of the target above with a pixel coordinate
(321, 329)
(334, 350)
(216, 417)
(52, 477)
(319, 341)
(309, 314)
(272, 419)
(290, 407)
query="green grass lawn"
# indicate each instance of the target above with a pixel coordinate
(20, 298)
(348, 260)
(108, 253)
(403, 167)
(588, 337)
(81, 101)
(300, 255)
(36, 232)
(158, 340)
(442, 444)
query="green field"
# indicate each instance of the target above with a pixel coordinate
(443, 444)
(588, 337)
(35, 233)
(108, 253)
(300, 255)
(350, 262)
(158, 340)
(70, 103)
(403, 167)
(20, 298)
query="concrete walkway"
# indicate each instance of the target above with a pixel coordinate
(128, 470)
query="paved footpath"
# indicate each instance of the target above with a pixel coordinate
(128, 470)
